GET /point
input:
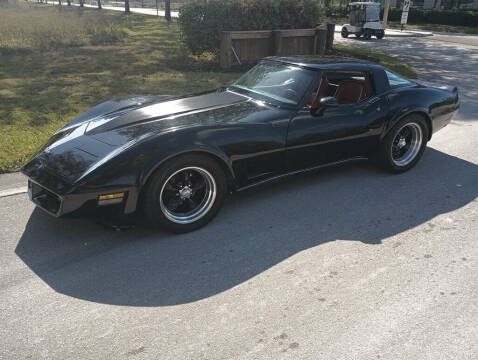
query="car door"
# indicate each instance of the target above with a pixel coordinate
(335, 133)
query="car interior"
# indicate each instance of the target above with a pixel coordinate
(346, 87)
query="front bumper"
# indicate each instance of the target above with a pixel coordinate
(58, 205)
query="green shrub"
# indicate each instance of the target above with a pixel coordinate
(202, 23)
(437, 16)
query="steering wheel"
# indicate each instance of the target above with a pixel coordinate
(292, 94)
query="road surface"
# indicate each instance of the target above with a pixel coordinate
(349, 263)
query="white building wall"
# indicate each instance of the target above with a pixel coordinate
(473, 5)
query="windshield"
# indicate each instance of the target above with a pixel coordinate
(373, 13)
(276, 81)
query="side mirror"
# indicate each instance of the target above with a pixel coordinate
(328, 101)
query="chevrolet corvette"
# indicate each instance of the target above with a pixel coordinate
(177, 157)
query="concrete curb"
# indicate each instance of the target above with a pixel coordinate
(12, 184)
(396, 33)
(14, 191)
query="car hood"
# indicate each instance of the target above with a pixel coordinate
(110, 128)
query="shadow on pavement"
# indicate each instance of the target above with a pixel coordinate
(255, 230)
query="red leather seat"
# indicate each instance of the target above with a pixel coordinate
(350, 92)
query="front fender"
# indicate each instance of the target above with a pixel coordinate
(157, 161)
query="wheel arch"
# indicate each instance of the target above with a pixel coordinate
(222, 160)
(416, 111)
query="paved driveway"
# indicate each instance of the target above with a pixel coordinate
(350, 263)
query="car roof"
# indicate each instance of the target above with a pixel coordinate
(324, 62)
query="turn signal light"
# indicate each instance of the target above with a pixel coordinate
(109, 199)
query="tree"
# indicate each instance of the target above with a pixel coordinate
(68, 2)
(81, 3)
(99, 4)
(126, 6)
(167, 8)
(385, 13)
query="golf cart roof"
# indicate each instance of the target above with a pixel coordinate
(364, 3)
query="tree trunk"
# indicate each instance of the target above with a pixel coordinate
(167, 8)
(59, 2)
(68, 2)
(385, 14)
(126, 6)
(99, 4)
(81, 3)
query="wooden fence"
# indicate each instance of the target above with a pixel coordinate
(239, 47)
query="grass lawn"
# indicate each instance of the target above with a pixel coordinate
(57, 62)
(437, 27)
(44, 82)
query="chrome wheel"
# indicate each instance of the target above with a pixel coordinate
(187, 195)
(406, 144)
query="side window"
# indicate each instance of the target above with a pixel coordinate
(395, 80)
(349, 87)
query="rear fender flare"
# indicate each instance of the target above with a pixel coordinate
(409, 111)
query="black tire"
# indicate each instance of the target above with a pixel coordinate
(384, 156)
(380, 34)
(344, 32)
(358, 35)
(152, 198)
(367, 34)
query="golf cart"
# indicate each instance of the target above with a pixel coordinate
(364, 20)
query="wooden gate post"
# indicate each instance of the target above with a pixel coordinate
(321, 35)
(225, 52)
(330, 36)
(277, 42)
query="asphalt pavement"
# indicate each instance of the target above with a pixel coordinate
(347, 263)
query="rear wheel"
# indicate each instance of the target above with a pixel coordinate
(367, 34)
(344, 32)
(358, 35)
(404, 145)
(380, 34)
(185, 193)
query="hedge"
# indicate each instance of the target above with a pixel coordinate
(436, 16)
(201, 23)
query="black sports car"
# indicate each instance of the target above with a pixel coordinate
(177, 157)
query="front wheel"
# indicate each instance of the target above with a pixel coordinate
(344, 32)
(185, 193)
(380, 34)
(404, 145)
(367, 34)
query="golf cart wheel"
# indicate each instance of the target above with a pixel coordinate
(380, 34)
(358, 35)
(344, 32)
(367, 34)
